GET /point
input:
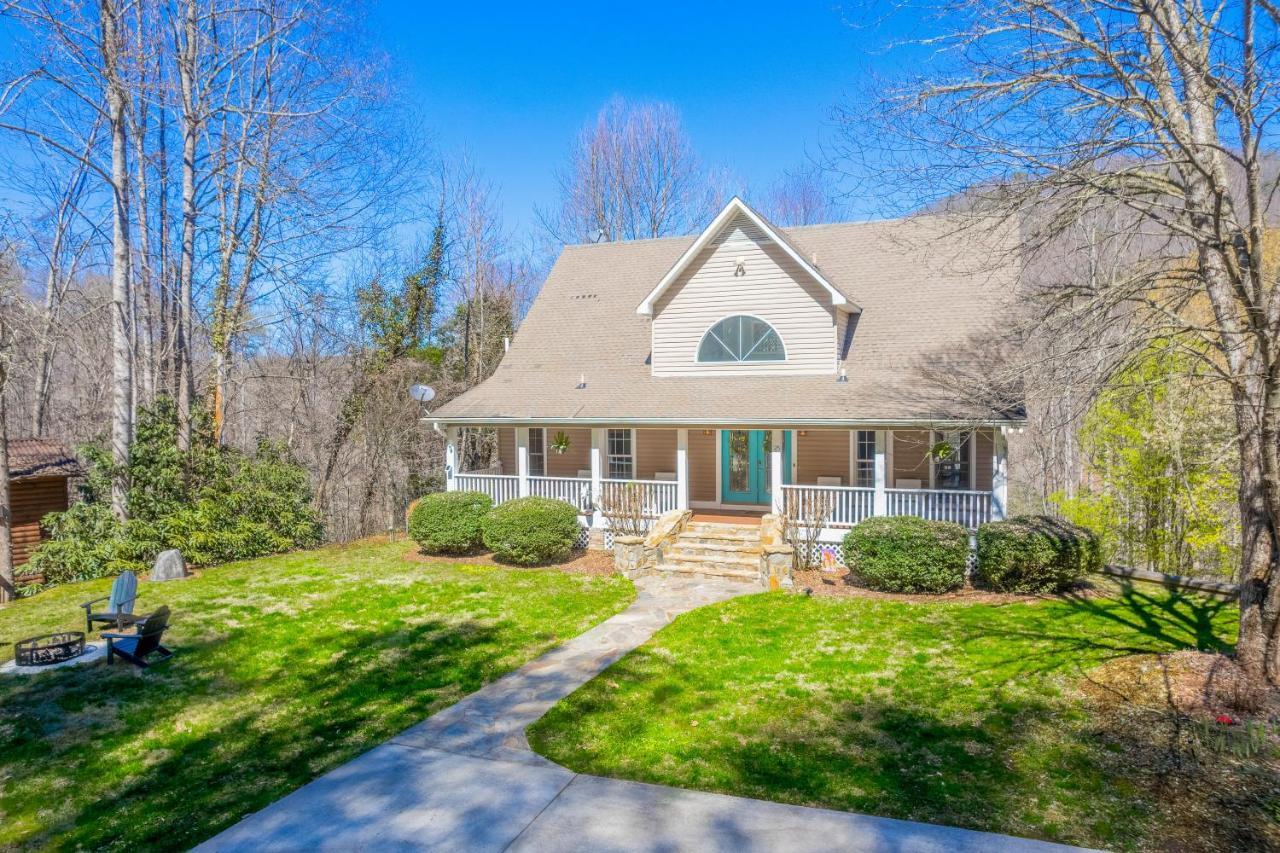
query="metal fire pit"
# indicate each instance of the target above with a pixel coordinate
(49, 649)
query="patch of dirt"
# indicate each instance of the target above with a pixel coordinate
(1188, 682)
(580, 562)
(1214, 786)
(838, 584)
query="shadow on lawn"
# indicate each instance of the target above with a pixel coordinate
(1173, 616)
(108, 789)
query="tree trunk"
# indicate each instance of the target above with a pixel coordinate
(1258, 648)
(186, 265)
(6, 512)
(121, 343)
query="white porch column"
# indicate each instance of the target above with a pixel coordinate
(999, 475)
(597, 474)
(775, 469)
(880, 503)
(522, 460)
(682, 469)
(451, 459)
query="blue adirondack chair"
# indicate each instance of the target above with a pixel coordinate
(137, 647)
(119, 612)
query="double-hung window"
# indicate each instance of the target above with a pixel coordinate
(621, 453)
(537, 452)
(865, 465)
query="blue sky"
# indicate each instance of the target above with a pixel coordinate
(511, 83)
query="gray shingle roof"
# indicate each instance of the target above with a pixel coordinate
(926, 287)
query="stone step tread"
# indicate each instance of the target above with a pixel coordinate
(713, 525)
(710, 571)
(751, 565)
(717, 536)
(717, 544)
(736, 565)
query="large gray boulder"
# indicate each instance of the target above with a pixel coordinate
(169, 566)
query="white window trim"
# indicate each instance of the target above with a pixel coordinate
(697, 351)
(608, 454)
(544, 473)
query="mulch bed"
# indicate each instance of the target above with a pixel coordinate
(583, 562)
(1186, 682)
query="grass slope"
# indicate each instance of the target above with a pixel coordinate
(954, 713)
(285, 667)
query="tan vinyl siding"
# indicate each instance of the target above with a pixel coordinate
(655, 451)
(822, 453)
(774, 289)
(507, 450)
(982, 469)
(576, 458)
(702, 465)
(911, 456)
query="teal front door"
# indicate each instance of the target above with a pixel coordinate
(744, 465)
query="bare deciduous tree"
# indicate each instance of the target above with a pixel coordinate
(1154, 117)
(801, 197)
(632, 173)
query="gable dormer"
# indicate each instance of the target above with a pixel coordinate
(742, 300)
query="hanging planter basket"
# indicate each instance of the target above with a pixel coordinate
(560, 442)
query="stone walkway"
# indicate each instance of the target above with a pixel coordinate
(465, 779)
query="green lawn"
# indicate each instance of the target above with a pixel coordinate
(947, 712)
(285, 668)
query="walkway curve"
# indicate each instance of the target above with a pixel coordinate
(466, 779)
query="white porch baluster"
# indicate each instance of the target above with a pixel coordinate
(682, 469)
(999, 475)
(597, 474)
(775, 470)
(451, 459)
(522, 459)
(880, 506)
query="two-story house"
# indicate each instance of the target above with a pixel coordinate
(748, 366)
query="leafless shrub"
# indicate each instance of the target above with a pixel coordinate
(623, 505)
(804, 515)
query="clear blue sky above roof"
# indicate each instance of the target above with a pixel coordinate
(512, 83)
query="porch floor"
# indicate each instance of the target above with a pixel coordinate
(728, 516)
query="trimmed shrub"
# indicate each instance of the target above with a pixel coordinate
(906, 554)
(531, 530)
(1035, 553)
(449, 522)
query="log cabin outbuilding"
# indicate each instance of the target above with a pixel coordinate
(40, 471)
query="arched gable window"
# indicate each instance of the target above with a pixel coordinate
(741, 338)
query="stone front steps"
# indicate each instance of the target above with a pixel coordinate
(714, 550)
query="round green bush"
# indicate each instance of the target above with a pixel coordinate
(531, 530)
(906, 554)
(1035, 553)
(449, 522)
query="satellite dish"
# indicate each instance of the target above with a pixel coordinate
(422, 393)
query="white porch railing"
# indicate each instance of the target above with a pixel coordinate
(966, 508)
(500, 487)
(574, 490)
(658, 496)
(848, 505)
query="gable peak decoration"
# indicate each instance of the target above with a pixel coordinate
(738, 207)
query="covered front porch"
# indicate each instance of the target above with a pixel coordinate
(956, 475)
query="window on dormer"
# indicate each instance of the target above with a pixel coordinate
(741, 338)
